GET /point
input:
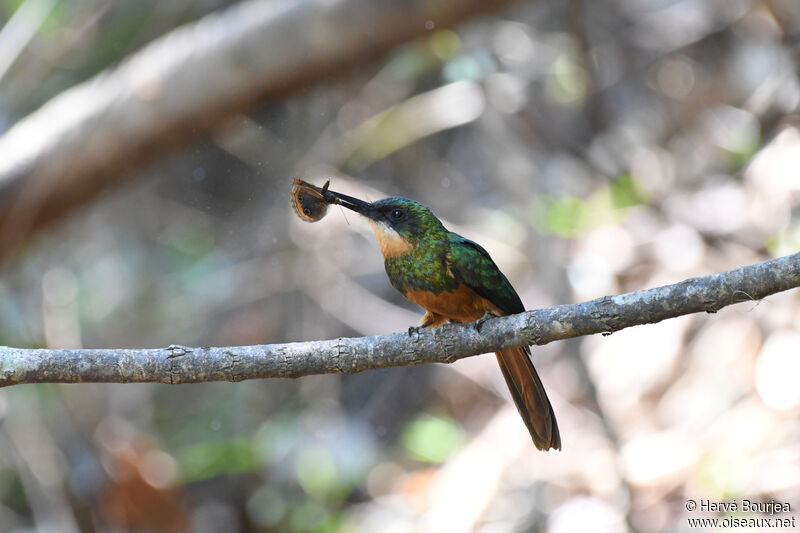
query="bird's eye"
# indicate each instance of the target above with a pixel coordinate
(397, 214)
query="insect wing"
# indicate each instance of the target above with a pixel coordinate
(309, 201)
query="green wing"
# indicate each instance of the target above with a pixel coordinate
(473, 266)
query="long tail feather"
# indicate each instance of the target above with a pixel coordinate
(530, 397)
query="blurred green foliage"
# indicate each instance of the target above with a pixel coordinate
(570, 217)
(211, 458)
(432, 439)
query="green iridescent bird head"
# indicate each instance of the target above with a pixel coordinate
(394, 218)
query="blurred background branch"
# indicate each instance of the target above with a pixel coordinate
(184, 86)
(178, 364)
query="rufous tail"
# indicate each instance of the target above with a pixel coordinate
(530, 397)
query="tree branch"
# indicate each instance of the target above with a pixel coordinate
(182, 86)
(445, 344)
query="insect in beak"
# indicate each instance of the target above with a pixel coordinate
(309, 201)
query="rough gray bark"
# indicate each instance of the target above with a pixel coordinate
(184, 85)
(445, 344)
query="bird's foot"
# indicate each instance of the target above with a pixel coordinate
(482, 320)
(414, 330)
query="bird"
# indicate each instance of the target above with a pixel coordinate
(455, 280)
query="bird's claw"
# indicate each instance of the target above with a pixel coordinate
(479, 323)
(414, 330)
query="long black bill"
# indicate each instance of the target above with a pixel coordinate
(354, 204)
